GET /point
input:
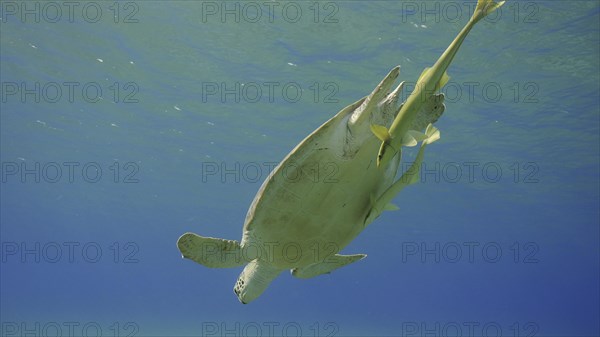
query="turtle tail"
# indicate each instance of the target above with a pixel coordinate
(211, 252)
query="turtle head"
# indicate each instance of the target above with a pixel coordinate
(254, 279)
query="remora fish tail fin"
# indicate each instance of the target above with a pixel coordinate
(485, 7)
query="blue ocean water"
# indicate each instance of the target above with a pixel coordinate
(126, 124)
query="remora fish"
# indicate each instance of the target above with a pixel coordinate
(430, 81)
(301, 224)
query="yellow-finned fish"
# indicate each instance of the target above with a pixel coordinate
(430, 81)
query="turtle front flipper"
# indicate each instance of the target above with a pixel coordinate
(330, 264)
(254, 279)
(211, 252)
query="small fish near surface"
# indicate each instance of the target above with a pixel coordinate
(302, 224)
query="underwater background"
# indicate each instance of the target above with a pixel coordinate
(126, 124)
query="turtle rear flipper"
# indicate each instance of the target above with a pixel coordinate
(211, 252)
(430, 112)
(330, 264)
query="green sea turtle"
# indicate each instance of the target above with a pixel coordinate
(300, 220)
